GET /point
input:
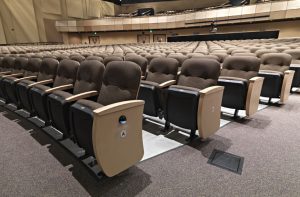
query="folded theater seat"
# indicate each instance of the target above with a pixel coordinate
(242, 85)
(46, 75)
(295, 65)
(111, 128)
(195, 101)
(16, 65)
(30, 73)
(278, 78)
(162, 73)
(87, 85)
(64, 80)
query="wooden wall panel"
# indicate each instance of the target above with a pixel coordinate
(51, 6)
(75, 8)
(2, 34)
(23, 21)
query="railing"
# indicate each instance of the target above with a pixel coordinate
(279, 10)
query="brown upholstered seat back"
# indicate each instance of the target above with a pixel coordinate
(8, 63)
(179, 58)
(48, 69)
(121, 82)
(276, 62)
(244, 67)
(139, 60)
(112, 58)
(261, 52)
(295, 53)
(162, 69)
(199, 73)
(89, 76)
(20, 64)
(213, 57)
(78, 58)
(33, 67)
(98, 58)
(66, 72)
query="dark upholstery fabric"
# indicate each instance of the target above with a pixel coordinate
(112, 58)
(48, 69)
(151, 57)
(20, 64)
(295, 53)
(244, 67)
(221, 56)
(98, 58)
(32, 67)
(276, 62)
(199, 73)
(139, 60)
(89, 104)
(120, 83)
(214, 57)
(66, 72)
(261, 52)
(182, 106)
(179, 58)
(78, 58)
(162, 70)
(89, 76)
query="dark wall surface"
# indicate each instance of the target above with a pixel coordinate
(226, 36)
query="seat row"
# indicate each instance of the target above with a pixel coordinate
(192, 98)
(92, 104)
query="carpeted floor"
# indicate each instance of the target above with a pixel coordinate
(32, 164)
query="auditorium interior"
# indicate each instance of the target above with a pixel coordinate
(150, 98)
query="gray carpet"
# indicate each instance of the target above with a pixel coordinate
(32, 164)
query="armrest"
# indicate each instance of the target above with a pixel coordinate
(63, 87)
(5, 72)
(209, 110)
(167, 84)
(41, 82)
(14, 75)
(286, 85)
(118, 128)
(26, 78)
(253, 94)
(82, 96)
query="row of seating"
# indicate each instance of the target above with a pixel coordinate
(92, 104)
(90, 96)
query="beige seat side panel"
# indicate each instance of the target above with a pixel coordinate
(253, 94)
(209, 111)
(286, 85)
(118, 146)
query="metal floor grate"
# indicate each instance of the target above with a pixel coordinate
(226, 161)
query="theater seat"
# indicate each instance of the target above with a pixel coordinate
(295, 65)
(162, 73)
(31, 70)
(278, 78)
(64, 80)
(15, 65)
(139, 60)
(111, 128)
(46, 75)
(242, 86)
(87, 85)
(195, 101)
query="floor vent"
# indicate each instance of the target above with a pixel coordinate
(226, 161)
